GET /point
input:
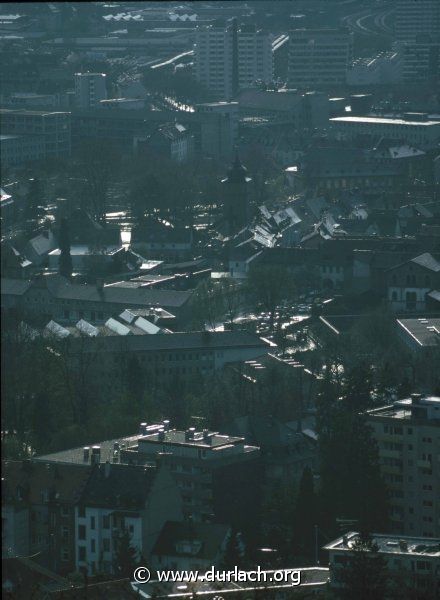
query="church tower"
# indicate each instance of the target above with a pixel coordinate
(236, 211)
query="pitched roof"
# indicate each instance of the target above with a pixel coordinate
(14, 287)
(427, 261)
(25, 481)
(124, 487)
(207, 540)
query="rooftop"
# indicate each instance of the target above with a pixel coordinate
(389, 544)
(384, 120)
(416, 407)
(424, 331)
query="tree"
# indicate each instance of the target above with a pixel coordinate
(365, 577)
(65, 261)
(126, 556)
(305, 516)
(268, 286)
(34, 200)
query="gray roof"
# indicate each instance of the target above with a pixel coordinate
(210, 537)
(424, 331)
(14, 287)
(427, 261)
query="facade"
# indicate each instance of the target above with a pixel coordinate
(416, 129)
(414, 17)
(17, 150)
(228, 58)
(170, 140)
(407, 434)
(121, 499)
(319, 57)
(421, 61)
(51, 128)
(38, 511)
(90, 89)
(411, 561)
(409, 283)
(219, 131)
(384, 69)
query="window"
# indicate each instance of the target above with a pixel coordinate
(106, 522)
(92, 522)
(82, 553)
(92, 545)
(64, 511)
(81, 512)
(65, 533)
(81, 532)
(106, 544)
(65, 554)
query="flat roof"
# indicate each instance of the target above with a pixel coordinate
(424, 331)
(384, 120)
(391, 544)
(176, 437)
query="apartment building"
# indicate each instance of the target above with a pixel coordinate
(415, 17)
(119, 500)
(319, 57)
(229, 57)
(18, 150)
(90, 89)
(408, 436)
(421, 60)
(418, 129)
(409, 283)
(47, 133)
(412, 562)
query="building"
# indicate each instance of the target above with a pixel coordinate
(217, 474)
(38, 511)
(219, 132)
(52, 130)
(120, 499)
(409, 283)
(190, 546)
(421, 61)
(417, 129)
(90, 89)
(411, 561)
(229, 57)
(420, 335)
(170, 140)
(18, 150)
(319, 57)
(414, 17)
(407, 434)
(382, 69)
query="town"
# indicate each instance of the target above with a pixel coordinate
(220, 299)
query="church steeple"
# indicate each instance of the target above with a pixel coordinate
(236, 201)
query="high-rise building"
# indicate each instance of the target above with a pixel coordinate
(229, 58)
(408, 437)
(415, 17)
(421, 60)
(90, 89)
(319, 57)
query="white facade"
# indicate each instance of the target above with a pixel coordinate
(90, 89)
(319, 57)
(214, 57)
(418, 133)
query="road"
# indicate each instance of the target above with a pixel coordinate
(371, 21)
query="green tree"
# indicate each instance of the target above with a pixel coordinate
(268, 286)
(126, 556)
(365, 577)
(305, 516)
(65, 261)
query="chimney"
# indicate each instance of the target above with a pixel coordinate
(86, 454)
(107, 469)
(161, 435)
(143, 428)
(206, 437)
(415, 398)
(166, 425)
(189, 434)
(96, 455)
(403, 544)
(345, 540)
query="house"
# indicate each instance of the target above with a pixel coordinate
(13, 263)
(37, 249)
(190, 546)
(420, 334)
(173, 141)
(38, 511)
(158, 241)
(120, 499)
(409, 283)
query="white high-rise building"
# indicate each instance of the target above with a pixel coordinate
(319, 57)
(90, 89)
(414, 17)
(229, 58)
